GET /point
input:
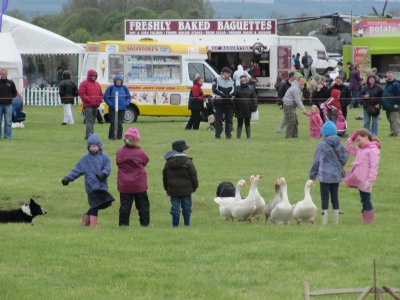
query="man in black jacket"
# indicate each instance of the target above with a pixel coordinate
(8, 92)
(223, 88)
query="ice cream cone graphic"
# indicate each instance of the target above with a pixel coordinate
(103, 66)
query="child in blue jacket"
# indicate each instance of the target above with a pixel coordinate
(329, 159)
(96, 167)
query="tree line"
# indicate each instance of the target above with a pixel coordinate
(95, 20)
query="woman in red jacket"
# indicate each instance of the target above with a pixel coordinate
(196, 104)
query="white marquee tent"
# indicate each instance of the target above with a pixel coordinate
(31, 39)
(10, 59)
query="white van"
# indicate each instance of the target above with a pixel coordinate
(158, 75)
(321, 61)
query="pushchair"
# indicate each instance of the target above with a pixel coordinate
(341, 124)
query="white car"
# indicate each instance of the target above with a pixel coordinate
(335, 56)
(333, 74)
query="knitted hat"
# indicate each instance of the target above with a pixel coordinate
(133, 132)
(335, 93)
(328, 129)
(179, 145)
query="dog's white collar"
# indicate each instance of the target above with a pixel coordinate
(26, 210)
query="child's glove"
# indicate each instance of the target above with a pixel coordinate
(101, 176)
(355, 135)
(65, 181)
(367, 185)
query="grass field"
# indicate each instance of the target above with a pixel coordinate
(213, 259)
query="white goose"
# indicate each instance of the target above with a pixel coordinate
(283, 211)
(260, 203)
(305, 210)
(271, 204)
(226, 203)
(242, 210)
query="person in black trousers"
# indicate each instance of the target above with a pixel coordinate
(196, 104)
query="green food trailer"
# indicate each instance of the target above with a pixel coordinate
(375, 43)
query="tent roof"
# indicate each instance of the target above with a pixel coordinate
(9, 55)
(31, 39)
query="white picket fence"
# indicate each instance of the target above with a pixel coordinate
(47, 96)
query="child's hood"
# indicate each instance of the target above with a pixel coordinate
(373, 144)
(173, 153)
(332, 140)
(335, 94)
(94, 140)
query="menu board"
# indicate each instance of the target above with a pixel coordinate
(284, 61)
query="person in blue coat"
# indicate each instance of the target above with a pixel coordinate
(329, 159)
(96, 167)
(124, 99)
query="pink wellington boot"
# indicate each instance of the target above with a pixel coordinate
(368, 216)
(85, 220)
(93, 221)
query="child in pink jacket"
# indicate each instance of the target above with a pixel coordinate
(132, 179)
(365, 168)
(315, 122)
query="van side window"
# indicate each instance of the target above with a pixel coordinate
(90, 63)
(148, 69)
(196, 69)
(321, 54)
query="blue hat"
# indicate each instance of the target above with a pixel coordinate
(329, 128)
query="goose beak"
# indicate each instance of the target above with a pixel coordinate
(245, 184)
(311, 183)
(260, 176)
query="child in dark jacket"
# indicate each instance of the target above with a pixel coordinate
(96, 167)
(132, 179)
(180, 181)
(329, 159)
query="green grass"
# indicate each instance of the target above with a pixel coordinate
(213, 259)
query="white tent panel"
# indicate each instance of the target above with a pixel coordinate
(31, 39)
(10, 59)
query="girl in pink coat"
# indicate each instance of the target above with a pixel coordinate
(315, 122)
(132, 179)
(365, 168)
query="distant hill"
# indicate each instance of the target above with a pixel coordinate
(292, 8)
(232, 9)
(33, 8)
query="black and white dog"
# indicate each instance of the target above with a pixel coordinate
(23, 215)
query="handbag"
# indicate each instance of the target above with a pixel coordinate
(342, 170)
(372, 110)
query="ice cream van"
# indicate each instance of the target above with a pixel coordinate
(158, 75)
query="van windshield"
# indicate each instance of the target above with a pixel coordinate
(91, 61)
(196, 69)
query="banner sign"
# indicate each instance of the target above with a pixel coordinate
(203, 27)
(376, 28)
(362, 58)
(284, 61)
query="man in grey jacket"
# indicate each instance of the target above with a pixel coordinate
(291, 100)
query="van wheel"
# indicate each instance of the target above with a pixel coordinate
(131, 114)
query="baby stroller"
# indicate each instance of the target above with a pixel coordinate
(341, 124)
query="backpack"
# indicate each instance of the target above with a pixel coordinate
(226, 189)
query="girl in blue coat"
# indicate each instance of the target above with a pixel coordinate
(329, 159)
(124, 99)
(96, 167)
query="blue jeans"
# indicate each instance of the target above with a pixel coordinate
(333, 190)
(366, 200)
(355, 95)
(367, 123)
(181, 201)
(6, 110)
